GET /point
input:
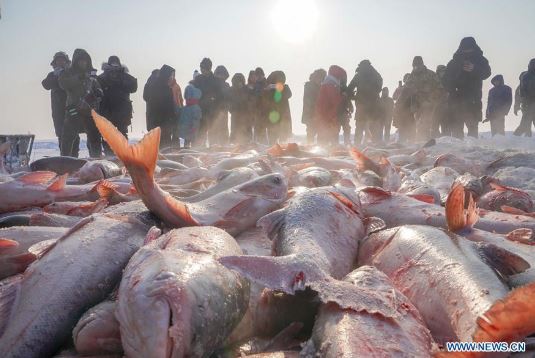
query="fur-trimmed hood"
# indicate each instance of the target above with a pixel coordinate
(107, 67)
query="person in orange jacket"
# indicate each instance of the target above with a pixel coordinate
(327, 105)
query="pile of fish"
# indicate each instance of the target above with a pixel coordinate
(280, 251)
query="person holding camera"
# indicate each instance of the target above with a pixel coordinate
(58, 97)
(117, 85)
(464, 82)
(83, 94)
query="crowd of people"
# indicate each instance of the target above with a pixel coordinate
(426, 104)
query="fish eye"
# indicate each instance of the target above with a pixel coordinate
(277, 180)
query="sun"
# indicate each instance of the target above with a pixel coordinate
(295, 20)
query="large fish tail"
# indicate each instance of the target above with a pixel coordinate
(457, 217)
(141, 158)
(143, 154)
(363, 162)
(509, 320)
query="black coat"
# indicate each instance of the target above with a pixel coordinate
(500, 99)
(117, 86)
(58, 97)
(159, 97)
(527, 88)
(212, 93)
(368, 83)
(463, 85)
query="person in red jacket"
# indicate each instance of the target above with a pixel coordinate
(327, 105)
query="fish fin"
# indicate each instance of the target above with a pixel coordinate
(41, 177)
(106, 189)
(504, 262)
(292, 148)
(345, 201)
(373, 224)
(265, 166)
(440, 158)
(430, 143)
(426, 198)
(58, 184)
(510, 319)
(420, 155)
(132, 190)
(375, 194)
(69, 232)
(40, 248)
(181, 210)
(152, 235)
(523, 236)
(6, 244)
(19, 263)
(9, 292)
(363, 162)
(515, 211)
(282, 273)
(276, 150)
(457, 217)
(498, 187)
(347, 295)
(512, 210)
(272, 223)
(93, 207)
(143, 154)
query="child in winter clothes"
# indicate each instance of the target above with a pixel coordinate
(190, 115)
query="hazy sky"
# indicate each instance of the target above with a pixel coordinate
(244, 34)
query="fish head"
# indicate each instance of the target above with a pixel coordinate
(271, 187)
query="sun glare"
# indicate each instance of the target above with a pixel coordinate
(295, 20)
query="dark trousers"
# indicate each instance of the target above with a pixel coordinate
(528, 118)
(407, 130)
(497, 125)
(465, 112)
(70, 140)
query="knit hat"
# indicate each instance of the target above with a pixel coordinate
(417, 61)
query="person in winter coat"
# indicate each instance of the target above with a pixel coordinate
(524, 128)
(146, 97)
(260, 125)
(239, 106)
(527, 100)
(219, 128)
(117, 85)
(310, 95)
(464, 81)
(440, 116)
(403, 117)
(161, 101)
(423, 86)
(498, 105)
(211, 97)
(191, 114)
(345, 113)
(327, 106)
(83, 94)
(58, 97)
(387, 110)
(276, 108)
(368, 84)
